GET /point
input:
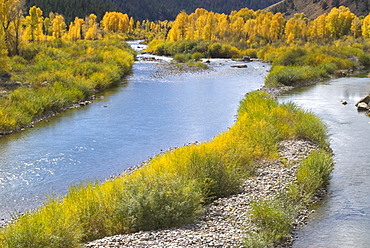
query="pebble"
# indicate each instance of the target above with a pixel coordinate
(225, 220)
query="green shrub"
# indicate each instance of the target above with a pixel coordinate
(309, 127)
(181, 57)
(273, 218)
(314, 171)
(197, 56)
(291, 57)
(290, 75)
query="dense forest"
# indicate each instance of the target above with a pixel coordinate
(142, 9)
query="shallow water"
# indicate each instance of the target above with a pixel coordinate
(133, 122)
(343, 217)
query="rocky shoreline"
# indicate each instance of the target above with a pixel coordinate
(226, 221)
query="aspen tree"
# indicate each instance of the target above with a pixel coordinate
(366, 27)
(296, 28)
(92, 32)
(317, 29)
(178, 30)
(4, 60)
(75, 29)
(237, 29)
(59, 26)
(339, 21)
(115, 22)
(223, 28)
(356, 27)
(250, 29)
(131, 24)
(35, 23)
(11, 16)
(276, 26)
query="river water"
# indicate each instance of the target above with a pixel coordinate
(343, 218)
(145, 115)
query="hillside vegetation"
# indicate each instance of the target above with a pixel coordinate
(315, 8)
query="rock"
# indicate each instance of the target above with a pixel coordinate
(362, 106)
(239, 66)
(84, 103)
(5, 75)
(246, 59)
(365, 99)
(344, 102)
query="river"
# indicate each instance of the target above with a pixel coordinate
(343, 218)
(129, 124)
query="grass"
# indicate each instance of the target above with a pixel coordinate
(172, 188)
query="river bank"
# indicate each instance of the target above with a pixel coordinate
(226, 220)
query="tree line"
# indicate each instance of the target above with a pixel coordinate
(244, 28)
(143, 9)
(249, 28)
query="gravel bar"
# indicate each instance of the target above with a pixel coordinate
(225, 220)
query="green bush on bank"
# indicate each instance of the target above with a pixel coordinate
(297, 65)
(172, 188)
(314, 172)
(60, 74)
(206, 48)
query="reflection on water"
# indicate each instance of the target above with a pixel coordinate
(129, 125)
(343, 219)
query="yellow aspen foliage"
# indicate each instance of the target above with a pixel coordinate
(223, 27)
(59, 26)
(75, 29)
(178, 30)
(131, 24)
(115, 22)
(34, 24)
(48, 29)
(237, 28)
(277, 25)
(366, 27)
(296, 28)
(11, 16)
(210, 27)
(339, 21)
(92, 32)
(4, 59)
(356, 27)
(317, 29)
(245, 13)
(200, 12)
(199, 25)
